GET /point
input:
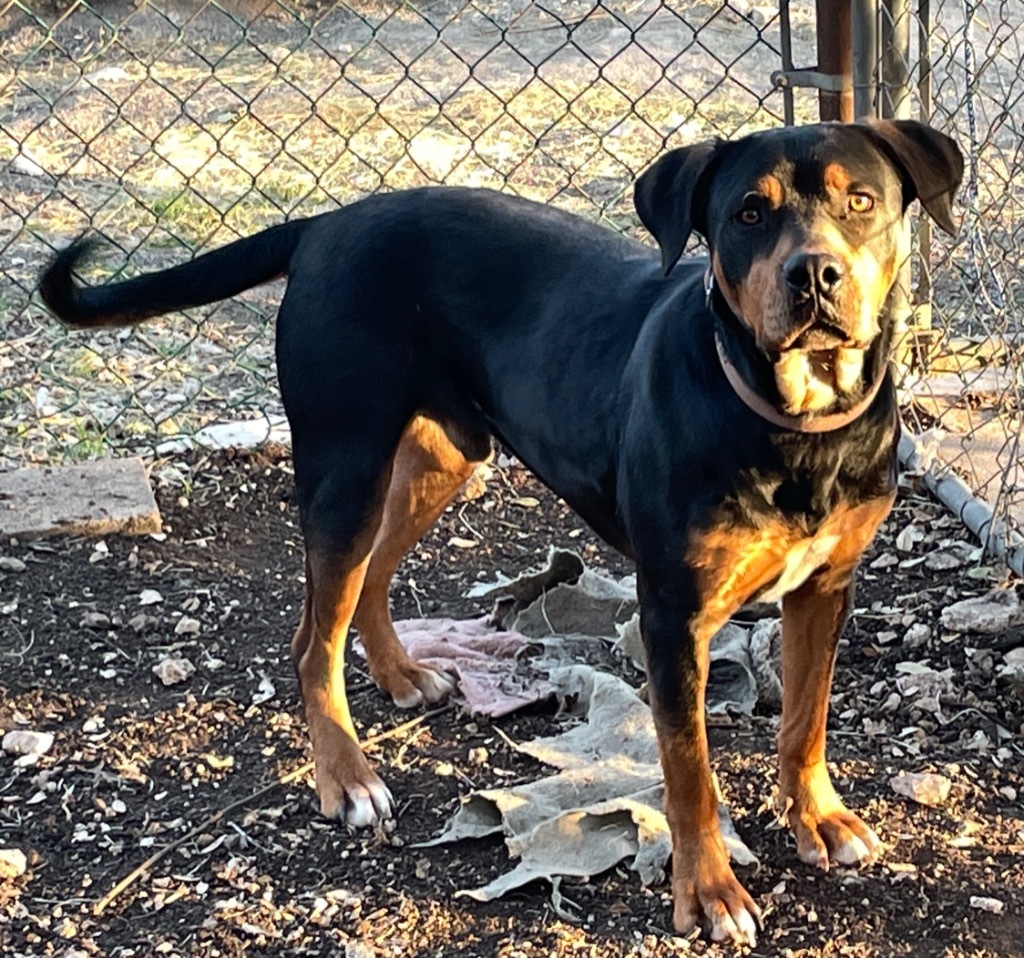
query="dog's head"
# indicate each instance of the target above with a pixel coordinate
(803, 226)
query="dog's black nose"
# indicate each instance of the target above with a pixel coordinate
(808, 274)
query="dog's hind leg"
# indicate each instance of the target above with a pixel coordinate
(347, 787)
(342, 471)
(339, 525)
(432, 463)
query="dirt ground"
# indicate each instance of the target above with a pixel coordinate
(137, 766)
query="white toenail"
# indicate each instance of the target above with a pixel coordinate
(747, 927)
(852, 851)
(360, 811)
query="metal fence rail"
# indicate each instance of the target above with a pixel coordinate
(169, 127)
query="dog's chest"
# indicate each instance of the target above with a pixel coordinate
(800, 561)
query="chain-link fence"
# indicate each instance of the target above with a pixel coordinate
(960, 64)
(170, 127)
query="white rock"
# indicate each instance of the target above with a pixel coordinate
(172, 671)
(265, 692)
(1013, 666)
(929, 682)
(95, 620)
(187, 626)
(359, 949)
(941, 561)
(248, 434)
(1012, 669)
(25, 742)
(26, 164)
(982, 903)
(990, 614)
(908, 537)
(141, 622)
(917, 635)
(107, 75)
(925, 788)
(13, 863)
(10, 564)
(150, 597)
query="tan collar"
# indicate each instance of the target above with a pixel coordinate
(759, 405)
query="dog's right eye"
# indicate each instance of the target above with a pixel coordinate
(749, 216)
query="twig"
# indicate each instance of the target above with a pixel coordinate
(297, 773)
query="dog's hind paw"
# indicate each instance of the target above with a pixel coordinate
(420, 685)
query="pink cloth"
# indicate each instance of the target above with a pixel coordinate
(484, 661)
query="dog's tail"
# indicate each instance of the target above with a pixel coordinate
(217, 275)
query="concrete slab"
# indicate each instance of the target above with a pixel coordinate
(90, 498)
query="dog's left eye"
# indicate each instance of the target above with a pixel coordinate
(749, 216)
(860, 203)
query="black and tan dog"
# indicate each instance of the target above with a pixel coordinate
(731, 425)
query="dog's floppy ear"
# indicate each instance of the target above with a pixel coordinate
(670, 198)
(931, 163)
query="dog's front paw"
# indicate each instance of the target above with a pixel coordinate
(826, 831)
(360, 803)
(349, 790)
(706, 893)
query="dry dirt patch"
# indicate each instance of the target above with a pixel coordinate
(136, 766)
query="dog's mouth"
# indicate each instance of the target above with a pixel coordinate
(819, 367)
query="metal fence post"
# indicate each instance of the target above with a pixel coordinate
(894, 101)
(923, 294)
(864, 41)
(834, 57)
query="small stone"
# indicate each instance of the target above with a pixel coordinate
(885, 561)
(359, 949)
(917, 635)
(13, 863)
(10, 564)
(187, 626)
(989, 614)
(993, 905)
(95, 620)
(1012, 670)
(942, 561)
(925, 788)
(142, 622)
(24, 742)
(266, 691)
(150, 597)
(172, 671)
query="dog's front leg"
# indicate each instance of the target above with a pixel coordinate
(812, 619)
(704, 889)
